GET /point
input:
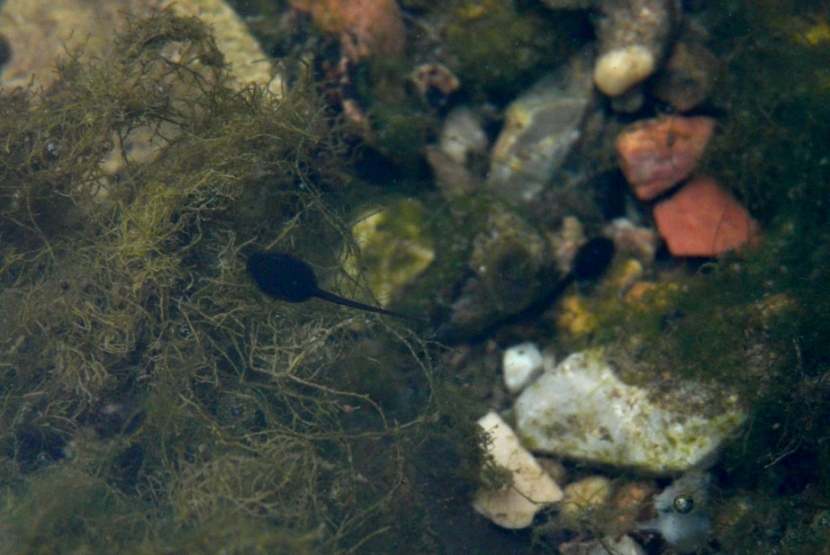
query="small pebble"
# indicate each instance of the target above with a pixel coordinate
(657, 154)
(618, 70)
(688, 76)
(521, 364)
(462, 135)
(513, 506)
(702, 219)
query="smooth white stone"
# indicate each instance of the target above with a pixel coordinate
(521, 364)
(618, 70)
(514, 506)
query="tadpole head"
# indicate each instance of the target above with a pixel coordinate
(283, 276)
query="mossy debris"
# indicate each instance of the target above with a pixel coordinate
(152, 398)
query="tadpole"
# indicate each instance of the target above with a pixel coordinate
(590, 262)
(287, 278)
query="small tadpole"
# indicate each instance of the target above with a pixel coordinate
(287, 278)
(590, 262)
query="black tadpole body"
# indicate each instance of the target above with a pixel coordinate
(289, 279)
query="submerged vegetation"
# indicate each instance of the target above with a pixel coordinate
(154, 400)
(152, 397)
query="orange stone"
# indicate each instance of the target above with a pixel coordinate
(702, 219)
(657, 154)
(365, 27)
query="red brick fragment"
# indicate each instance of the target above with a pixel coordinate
(657, 154)
(702, 219)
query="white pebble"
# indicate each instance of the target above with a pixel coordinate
(462, 135)
(618, 70)
(513, 506)
(521, 364)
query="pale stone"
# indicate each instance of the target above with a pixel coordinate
(462, 135)
(540, 129)
(612, 546)
(618, 70)
(582, 410)
(395, 248)
(514, 506)
(521, 364)
(683, 513)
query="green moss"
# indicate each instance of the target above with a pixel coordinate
(501, 47)
(769, 149)
(401, 131)
(45, 513)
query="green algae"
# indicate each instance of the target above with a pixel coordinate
(766, 322)
(152, 398)
(502, 47)
(395, 248)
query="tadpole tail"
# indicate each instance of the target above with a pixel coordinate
(331, 297)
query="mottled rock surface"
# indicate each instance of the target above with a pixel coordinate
(541, 127)
(582, 410)
(657, 154)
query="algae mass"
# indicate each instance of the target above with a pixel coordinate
(151, 399)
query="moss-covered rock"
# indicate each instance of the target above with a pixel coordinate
(582, 410)
(499, 49)
(394, 248)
